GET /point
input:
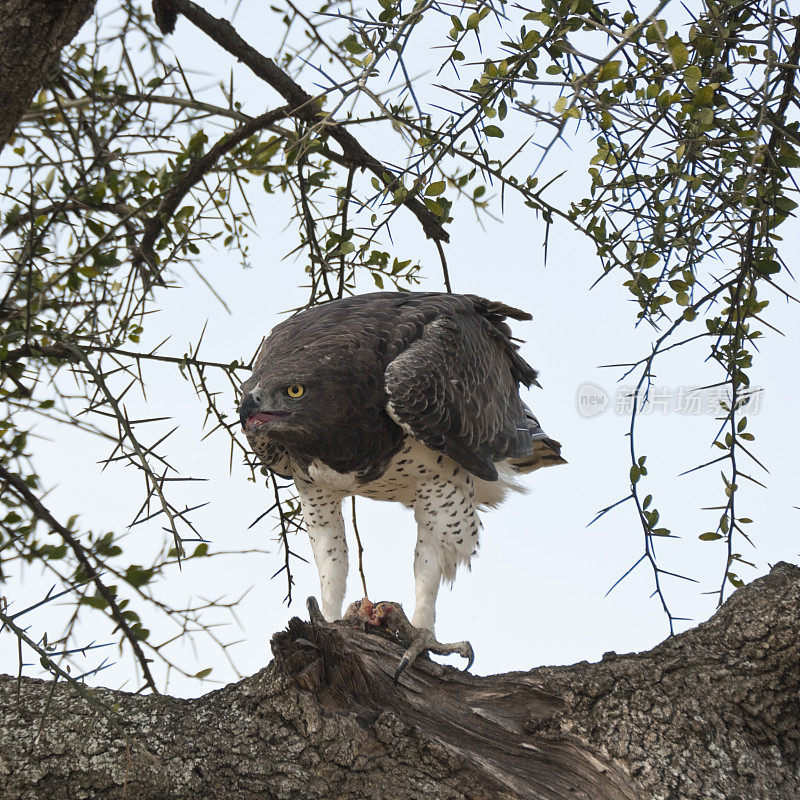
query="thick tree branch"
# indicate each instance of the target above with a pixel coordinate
(32, 33)
(711, 714)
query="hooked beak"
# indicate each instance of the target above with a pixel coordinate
(252, 416)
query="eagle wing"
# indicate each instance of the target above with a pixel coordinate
(455, 387)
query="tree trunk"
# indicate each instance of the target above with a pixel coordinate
(711, 713)
(32, 33)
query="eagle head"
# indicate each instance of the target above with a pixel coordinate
(278, 407)
(312, 407)
(318, 390)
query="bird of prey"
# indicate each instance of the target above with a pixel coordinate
(402, 396)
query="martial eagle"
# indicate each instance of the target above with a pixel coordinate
(403, 396)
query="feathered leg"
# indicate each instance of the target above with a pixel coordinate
(441, 546)
(447, 536)
(427, 578)
(322, 512)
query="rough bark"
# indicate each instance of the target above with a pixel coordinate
(712, 713)
(32, 33)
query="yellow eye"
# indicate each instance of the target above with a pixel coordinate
(295, 391)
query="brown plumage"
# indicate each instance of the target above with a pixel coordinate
(444, 364)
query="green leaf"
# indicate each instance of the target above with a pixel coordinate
(140, 633)
(436, 188)
(735, 579)
(203, 673)
(434, 207)
(609, 71)
(657, 32)
(678, 52)
(649, 259)
(704, 96)
(692, 75)
(95, 601)
(710, 536)
(137, 575)
(48, 181)
(352, 45)
(493, 130)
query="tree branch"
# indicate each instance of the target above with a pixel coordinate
(305, 107)
(193, 174)
(710, 713)
(32, 34)
(38, 509)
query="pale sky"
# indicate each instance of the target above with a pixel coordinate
(536, 591)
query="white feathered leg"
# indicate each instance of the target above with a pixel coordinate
(322, 512)
(447, 535)
(427, 577)
(439, 550)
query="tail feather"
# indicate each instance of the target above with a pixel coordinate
(533, 448)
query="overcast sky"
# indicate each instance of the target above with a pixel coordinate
(536, 591)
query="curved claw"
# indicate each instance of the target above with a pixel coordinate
(425, 640)
(404, 662)
(470, 657)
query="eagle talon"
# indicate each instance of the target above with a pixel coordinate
(391, 618)
(423, 641)
(314, 613)
(404, 662)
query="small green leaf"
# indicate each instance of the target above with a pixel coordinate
(138, 576)
(436, 188)
(710, 536)
(677, 49)
(609, 71)
(692, 75)
(704, 95)
(493, 130)
(657, 32)
(735, 580)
